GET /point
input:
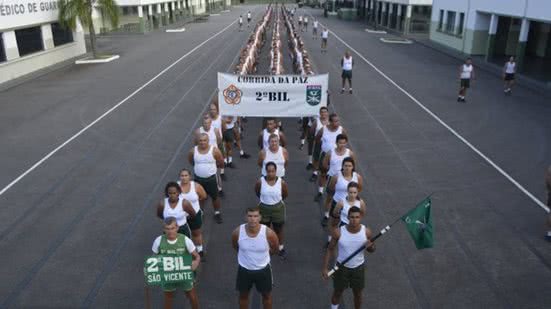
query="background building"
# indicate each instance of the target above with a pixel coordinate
(32, 39)
(406, 16)
(496, 29)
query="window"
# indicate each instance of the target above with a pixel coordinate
(2, 51)
(29, 40)
(61, 35)
(460, 26)
(441, 20)
(450, 22)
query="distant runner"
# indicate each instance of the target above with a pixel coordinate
(173, 243)
(466, 74)
(254, 242)
(240, 23)
(324, 37)
(306, 23)
(315, 30)
(347, 239)
(347, 62)
(509, 70)
(248, 19)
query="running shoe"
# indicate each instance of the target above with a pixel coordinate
(324, 221)
(245, 156)
(309, 166)
(218, 218)
(313, 177)
(318, 197)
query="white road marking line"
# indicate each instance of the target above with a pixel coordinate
(51, 153)
(445, 125)
(175, 30)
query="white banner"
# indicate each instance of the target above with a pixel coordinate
(271, 95)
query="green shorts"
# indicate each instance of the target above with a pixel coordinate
(228, 135)
(322, 156)
(349, 277)
(171, 287)
(196, 222)
(184, 229)
(272, 213)
(209, 184)
(261, 279)
(317, 151)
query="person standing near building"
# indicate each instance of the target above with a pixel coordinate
(548, 185)
(315, 29)
(272, 190)
(347, 62)
(206, 159)
(306, 23)
(240, 22)
(509, 70)
(347, 239)
(173, 243)
(254, 243)
(466, 74)
(324, 37)
(248, 19)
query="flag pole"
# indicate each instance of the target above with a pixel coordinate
(362, 248)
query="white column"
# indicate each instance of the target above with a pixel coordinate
(178, 4)
(524, 29)
(158, 8)
(140, 11)
(399, 11)
(47, 36)
(456, 25)
(10, 45)
(408, 11)
(166, 7)
(493, 24)
(390, 8)
(173, 6)
(150, 10)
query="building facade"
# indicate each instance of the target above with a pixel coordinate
(32, 39)
(406, 16)
(496, 29)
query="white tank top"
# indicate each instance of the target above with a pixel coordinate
(319, 124)
(270, 195)
(325, 34)
(346, 207)
(510, 67)
(253, 253)
(231, 124)
(348, 243)
(347, 63)
(466, 71)
(217, 124)
(176, 212)
(335, 162)
(191, 196)
(341, 187)
(329, 139)
(306, 19)
(266, 137)
(205, 164)
(277, 158)
(212, 135)
(315, 23)
(300, 18)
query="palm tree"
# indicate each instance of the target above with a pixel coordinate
(71, 10)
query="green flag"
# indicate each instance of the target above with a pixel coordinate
(419, 224)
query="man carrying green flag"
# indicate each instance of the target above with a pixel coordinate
(419, 224)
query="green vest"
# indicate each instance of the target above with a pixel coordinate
(179, 248)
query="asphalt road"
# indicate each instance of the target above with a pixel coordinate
(76, 229)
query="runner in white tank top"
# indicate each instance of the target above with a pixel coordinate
(333, 160)
(194, 193)
(347, 62)
(509, 70)
(314, 147)
(271, 128)
(173, 206)
(217, 124)
(254, 242)
(324, 37)
(327, 136)
(206, 159)
(342, 207)
(466, 74)
(207, 128)
(348, 239)
(274, 153)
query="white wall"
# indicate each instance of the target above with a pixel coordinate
(412, 2)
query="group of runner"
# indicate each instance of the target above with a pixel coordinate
(333, 165)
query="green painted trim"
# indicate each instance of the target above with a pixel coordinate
(491, 44)
(164, 19)
(521, 51)
(142, 25)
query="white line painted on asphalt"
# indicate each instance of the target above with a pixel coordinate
(51, 153)
(433, 115)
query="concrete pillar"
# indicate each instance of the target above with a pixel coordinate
(491, 43)
(141, 19)
(166, 14)
(10, 45)
(158, 16)
(173, 15)
(456, 25)
(408, 18)
(47, 36)
(383, 14)
(390, 12)
(399, 25)
(522, 39)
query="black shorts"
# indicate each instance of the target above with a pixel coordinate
(184, 229)
(228, 135)
(509, 76)
(349, 277)
(346, 74)
(332, 209)
(324, 40)
(209, 184)
(261, 279)
(465, 82)
(196, 222)
(248, 20)
(315, 30)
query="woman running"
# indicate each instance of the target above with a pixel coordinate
(341, 209)
(173, 205)
(194, 192)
